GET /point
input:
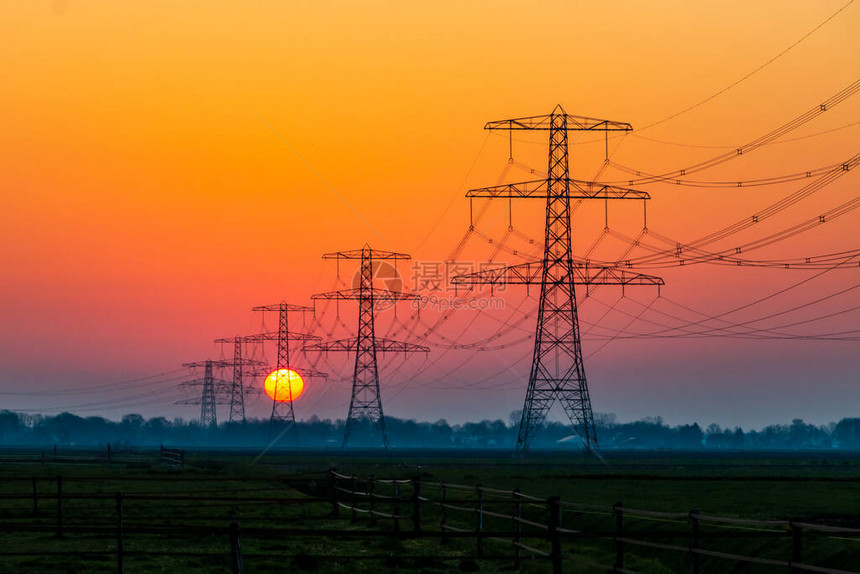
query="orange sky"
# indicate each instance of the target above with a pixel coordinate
(164, 167)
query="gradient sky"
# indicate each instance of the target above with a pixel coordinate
(165, 167)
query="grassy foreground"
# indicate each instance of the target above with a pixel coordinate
(177, 520)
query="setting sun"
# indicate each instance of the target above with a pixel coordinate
(284, 385)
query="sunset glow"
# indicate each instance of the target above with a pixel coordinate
(284, 385)
(197, 159)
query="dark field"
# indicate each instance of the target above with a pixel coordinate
(178, 520)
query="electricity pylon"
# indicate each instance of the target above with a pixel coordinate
(241, 367)
(283, 414)
(557, 370)
(209, 397)
(366, 402)
(215, 391)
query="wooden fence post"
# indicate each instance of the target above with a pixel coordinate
(371, 488)
(796, 545)
(518, 527)
(119, 540)
(59, 505)
(554, 507)
(479, 526)
(352, 497)
(235, 548)
(335, 508)
(617, 510)
(396, 506)
(444, 521)
(416, 505)
(35, 498)
(694, 543)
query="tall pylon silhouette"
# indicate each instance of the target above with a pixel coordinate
(366, 401)
(283, 418)
(557, 370)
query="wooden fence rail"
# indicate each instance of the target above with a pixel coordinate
(546, 535)
(486, 523)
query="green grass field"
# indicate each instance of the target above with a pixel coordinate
(177, 521)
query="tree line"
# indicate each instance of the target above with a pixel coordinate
(651, 433)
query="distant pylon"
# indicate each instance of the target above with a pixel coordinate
(283, 416)
(208, 415)
(241, 368)
(215, 391)
(557, 370)
(237, 392)
(208, 397)
(366, 401)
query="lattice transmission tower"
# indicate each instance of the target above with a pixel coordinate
(283, 413)
(366, 401)
(242, 368)
(557, 370)
(210, 397)
(215, 391)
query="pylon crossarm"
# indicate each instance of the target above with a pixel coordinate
(392, 346)
(520, 274)
(272, 336)
(305, 373)
(574, 123)
(369, 292)
(225, 363)
(589, 275)
(382, 345)
(282, 307)
(536, 188)
(198, 400)
(595, 190)
(218, 383)
(366, 252)
(219, 364)
(577, 189)
(531, 274)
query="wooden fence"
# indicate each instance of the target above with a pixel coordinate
(526, 524)
(475, 522)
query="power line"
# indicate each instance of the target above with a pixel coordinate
(761, 141)
(772, 180)
(105, 387)
(752, 73)
(702, 146)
